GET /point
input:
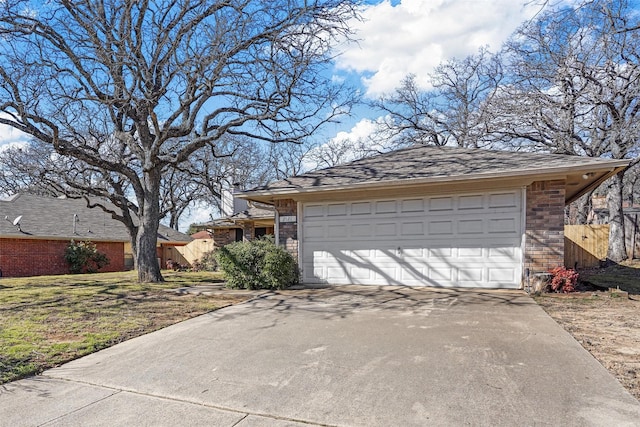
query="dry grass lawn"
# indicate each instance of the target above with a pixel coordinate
(46, 321)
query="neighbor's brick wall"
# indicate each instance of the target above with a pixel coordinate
(30, 257)
(248, 231)
(288, 234)
(222, 237)
(544, 244)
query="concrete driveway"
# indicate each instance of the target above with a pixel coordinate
(344, 356)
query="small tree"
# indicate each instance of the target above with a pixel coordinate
(83, 257)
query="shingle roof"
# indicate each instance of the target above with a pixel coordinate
(253, 212)
(53, 218)
(425, 162)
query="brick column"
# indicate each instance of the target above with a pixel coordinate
(248, 231)
(544, 243)
(288, 226)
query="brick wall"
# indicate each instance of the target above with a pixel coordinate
(223, 236)
(544, 244)
(31, 257)
(248, 231)
(288, 233)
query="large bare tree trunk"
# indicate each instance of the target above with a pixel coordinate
(617, 249)
(583, 208)
(147, 238)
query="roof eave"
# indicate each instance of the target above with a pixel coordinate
(595, 184)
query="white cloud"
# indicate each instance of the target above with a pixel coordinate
(414, 36)
(361, 130)
(11, 137)
(14, 144)
(346, 146)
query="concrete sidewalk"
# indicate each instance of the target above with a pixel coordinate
(344, 356)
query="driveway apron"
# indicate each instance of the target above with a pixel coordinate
(338, 356)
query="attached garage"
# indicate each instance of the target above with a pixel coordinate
(472, 239)
(431, 216)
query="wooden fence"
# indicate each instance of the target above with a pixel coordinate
(632, 235)
(585, 245)
(195, 249)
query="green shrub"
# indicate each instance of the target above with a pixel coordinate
(258, 264)
(83, 257)
(207, 262)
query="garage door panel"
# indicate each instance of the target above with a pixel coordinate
(472, 202)
(312, 232)
(361, 208)
(440, 204)
(385, 207)
(313, 211)
(504, 226)
(413, 228)
(386, 229)
(471, 252)
(361, 230)
(458, 240)
(501, 275)
(471, 226)
(440, 228)
(337, 231)
(471, 274)
(339, 209)
(504, 200)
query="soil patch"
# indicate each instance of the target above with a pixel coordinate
(607, 325)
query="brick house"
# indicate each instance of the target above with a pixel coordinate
(35, 230)
(241, 221)
(436, 216)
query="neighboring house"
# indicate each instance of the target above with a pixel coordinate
(44, 226)
(435, 216)
(240, 221)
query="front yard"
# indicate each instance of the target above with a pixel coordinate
(46, 321)
(605, 323)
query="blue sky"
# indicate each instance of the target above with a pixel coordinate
(398, 37)
(402, 37)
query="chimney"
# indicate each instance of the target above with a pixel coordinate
(239, 205)
(226, 202)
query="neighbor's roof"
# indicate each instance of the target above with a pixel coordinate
(252, 213)
(53, 218)
(429, 164)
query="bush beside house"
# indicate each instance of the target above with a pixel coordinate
(257, 264)
(84, 257)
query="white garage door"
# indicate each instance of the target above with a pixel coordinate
(466, 240)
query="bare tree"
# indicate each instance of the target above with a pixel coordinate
(286, 160)
(231, 161)
(451, 112)
(132, 89)
(574, 88)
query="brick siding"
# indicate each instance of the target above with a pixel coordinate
(32, 257)
(223, 236)
(288, 233)
(248, 231)
(544, 242)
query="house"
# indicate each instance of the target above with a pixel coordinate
(435, 216)
(35, 230)
(241, 220)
